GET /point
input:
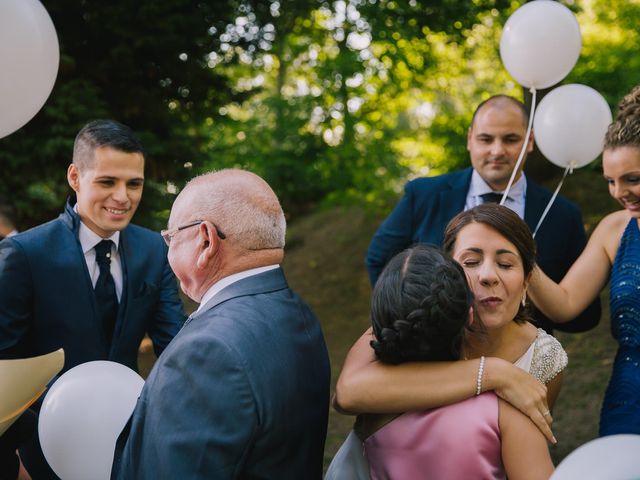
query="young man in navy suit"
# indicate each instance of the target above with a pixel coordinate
(243, 389)
(89, 282)
(494, 141)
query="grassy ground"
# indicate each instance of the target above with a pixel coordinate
(325, 264)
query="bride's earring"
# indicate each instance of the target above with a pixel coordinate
(524, 299)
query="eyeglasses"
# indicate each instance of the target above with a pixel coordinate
(169, 234)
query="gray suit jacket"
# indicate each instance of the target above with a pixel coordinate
(241, 392)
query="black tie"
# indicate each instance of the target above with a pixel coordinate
(106, 289)
(491, 197)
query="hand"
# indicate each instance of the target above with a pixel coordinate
(521, 390)
(22, 473)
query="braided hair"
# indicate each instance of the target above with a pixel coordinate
(420, 307)
(625, 130)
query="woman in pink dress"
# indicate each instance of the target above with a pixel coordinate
(523, 364)
(421, 310)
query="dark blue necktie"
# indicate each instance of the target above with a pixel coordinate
(491, 197)
(105, 289)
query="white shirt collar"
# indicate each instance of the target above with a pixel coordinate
(479, 187)
(226, 281)
(89, 239)
(515, 201)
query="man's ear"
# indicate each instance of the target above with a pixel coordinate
(469, 134)
(531, 142)
(207, 244)
(73, 177)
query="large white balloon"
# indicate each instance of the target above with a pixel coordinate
(570, 124)
(83, 415)
(29, 58)
(540, 43)
(614, 457)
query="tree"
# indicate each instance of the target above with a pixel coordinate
(143, 63)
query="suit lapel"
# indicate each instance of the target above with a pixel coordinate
(124, 252)
(124, 261)
(535, 202)
(452, 199)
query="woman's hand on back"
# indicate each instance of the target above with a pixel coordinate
(521, 390)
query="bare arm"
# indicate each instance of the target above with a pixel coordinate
(368, 386)
(585, 279)
(553, 389)
(524, 450)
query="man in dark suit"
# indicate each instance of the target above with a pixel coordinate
(243, 389)
(494, 141)
(89, 281)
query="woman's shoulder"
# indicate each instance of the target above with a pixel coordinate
(610, 230)
(617, 220)
(549, 358)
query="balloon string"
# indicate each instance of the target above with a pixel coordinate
(569, 169)
(524, 146)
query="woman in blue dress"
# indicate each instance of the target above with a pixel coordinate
(612, 253)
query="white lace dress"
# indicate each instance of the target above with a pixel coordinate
(545, 358)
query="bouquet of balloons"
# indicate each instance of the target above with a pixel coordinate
(539, 46)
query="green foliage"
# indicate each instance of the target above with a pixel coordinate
(331, 102)
(353, 96)
(142, 63)
(610, 57)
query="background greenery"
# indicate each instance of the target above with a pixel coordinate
(336, 104)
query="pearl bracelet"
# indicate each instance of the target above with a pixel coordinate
(479, 379)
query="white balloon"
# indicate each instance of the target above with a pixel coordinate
(540, 43)
(29, 58)
(570, 124)
(82, 416)
(613, 458)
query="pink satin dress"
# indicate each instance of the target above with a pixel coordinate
(455, 442)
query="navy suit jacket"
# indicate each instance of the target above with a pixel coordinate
(241, 392)
(430, 203)
(47, 299)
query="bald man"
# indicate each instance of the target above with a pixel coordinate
(243, 390)
(494, 140)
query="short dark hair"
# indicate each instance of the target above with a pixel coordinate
(508, 224)
(625, 130)
(420, 307)
(501, 99)
(103, 133)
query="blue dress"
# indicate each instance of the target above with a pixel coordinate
(621, 406)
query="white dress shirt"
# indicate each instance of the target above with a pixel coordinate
(88, 240)
(515, 199)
